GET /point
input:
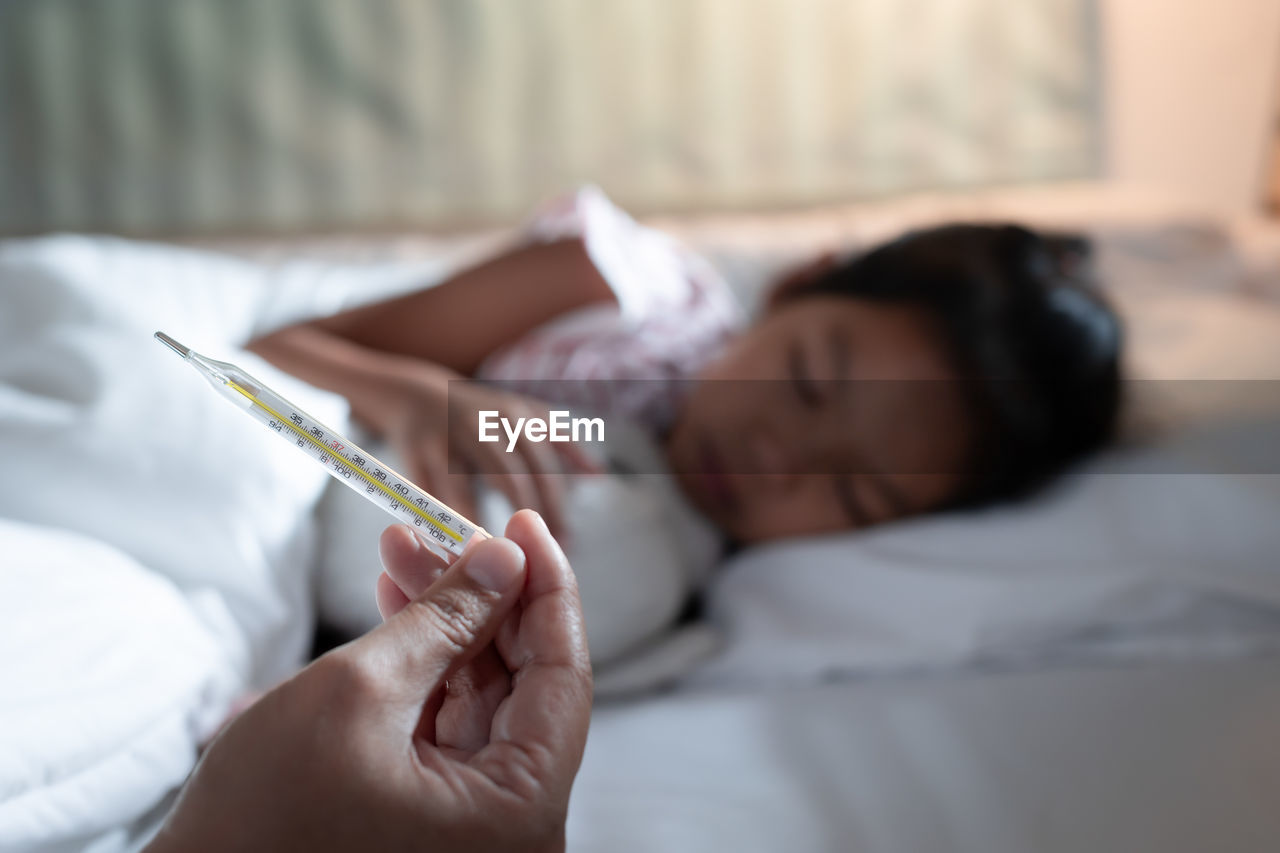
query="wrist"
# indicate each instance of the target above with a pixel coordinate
(381, 387)
(386, 390)
(397, 396)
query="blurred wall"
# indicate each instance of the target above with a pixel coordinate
(1190, 96)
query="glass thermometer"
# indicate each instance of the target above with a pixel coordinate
(443, 530)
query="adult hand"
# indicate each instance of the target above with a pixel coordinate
(436, 431)
(458, 724)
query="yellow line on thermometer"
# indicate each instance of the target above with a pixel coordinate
(356, 469)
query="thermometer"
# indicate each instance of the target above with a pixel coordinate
(443, 530)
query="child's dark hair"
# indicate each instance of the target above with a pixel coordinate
(1037, 347)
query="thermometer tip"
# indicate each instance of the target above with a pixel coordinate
(172, 344)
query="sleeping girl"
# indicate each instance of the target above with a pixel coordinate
(949, 368)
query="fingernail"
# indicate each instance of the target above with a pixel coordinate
(542, 522)
(476, 539)
(496, 566)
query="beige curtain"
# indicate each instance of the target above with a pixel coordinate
(203, 116)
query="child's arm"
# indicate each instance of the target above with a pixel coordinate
(367, 353)
(460, 321)
(393, 360)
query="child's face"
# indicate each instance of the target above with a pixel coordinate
(815, 421)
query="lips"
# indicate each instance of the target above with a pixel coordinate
(716, 483)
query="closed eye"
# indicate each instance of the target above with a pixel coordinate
(801, 378)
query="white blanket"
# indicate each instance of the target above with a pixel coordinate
(110, 677)
(156, 557)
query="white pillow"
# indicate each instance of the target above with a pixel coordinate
(1111, 563)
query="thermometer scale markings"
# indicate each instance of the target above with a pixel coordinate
(364, 475)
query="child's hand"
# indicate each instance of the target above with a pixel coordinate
(437, 430)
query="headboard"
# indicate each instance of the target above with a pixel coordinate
(194, 117)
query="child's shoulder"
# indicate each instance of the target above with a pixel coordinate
(674, 312)
(650, 271)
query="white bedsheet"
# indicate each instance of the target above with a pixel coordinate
(1159, 759)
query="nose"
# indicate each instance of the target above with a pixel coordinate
(770, 460)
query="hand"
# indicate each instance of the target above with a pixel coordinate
(458, 724)
(436, 433)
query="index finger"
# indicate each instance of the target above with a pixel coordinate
(548, 481)
(540, 730)
(576, 457)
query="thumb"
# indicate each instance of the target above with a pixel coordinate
(453, 620)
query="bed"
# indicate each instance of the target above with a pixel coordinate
(1097, 670)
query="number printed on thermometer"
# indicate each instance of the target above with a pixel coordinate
(346, 461)
(342, 459)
